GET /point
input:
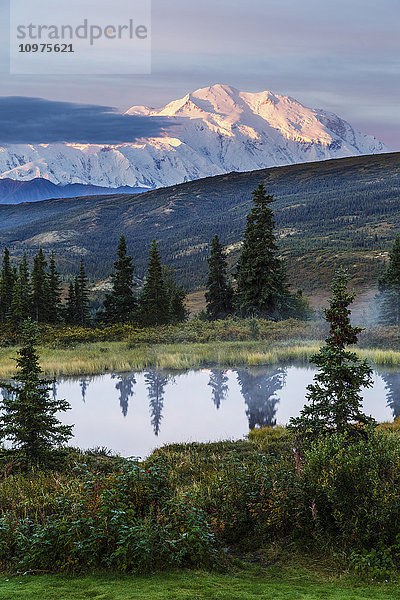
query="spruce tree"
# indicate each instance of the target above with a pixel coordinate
(261, 279)
(6, 286)
(177, 311)
(76, 296)
(21, 305)
(120, 304)
(219, 295)
(28, 417)
(154, 302)
(82, 297)
(40, 289)
(334, 400)
(54, 282)
(70, 310)
(389, 287)
(177, 304)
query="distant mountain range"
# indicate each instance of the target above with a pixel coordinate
(215, 130)
(344, 211)
(15, 192)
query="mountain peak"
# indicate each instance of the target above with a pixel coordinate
(218, 129)
(218, 89)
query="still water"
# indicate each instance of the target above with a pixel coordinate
(133, 413)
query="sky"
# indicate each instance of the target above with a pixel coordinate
(342, 56)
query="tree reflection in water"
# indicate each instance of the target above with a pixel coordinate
(259, 393)
(392, 385)
(218, 384)
(124, 386)
(5, 394)
(84, 384)
(155, 382)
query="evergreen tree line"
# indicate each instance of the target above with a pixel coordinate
(37, 293)
(261, 288)
(34, 294)
(162, 301)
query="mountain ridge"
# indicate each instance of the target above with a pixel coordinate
(214, 130)
(13, 191)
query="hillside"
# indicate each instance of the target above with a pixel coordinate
(339, 211)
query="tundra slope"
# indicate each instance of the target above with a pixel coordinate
(327, 213)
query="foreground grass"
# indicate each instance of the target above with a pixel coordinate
(250, 583)
(99, 357)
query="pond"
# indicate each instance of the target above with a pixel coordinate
(133, 413)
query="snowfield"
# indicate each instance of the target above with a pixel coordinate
(218, 129)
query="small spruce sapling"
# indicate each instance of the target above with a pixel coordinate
(28, 411)
(334, 400)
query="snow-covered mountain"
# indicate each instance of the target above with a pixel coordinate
(218, 129)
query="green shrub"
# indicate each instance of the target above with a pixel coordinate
(390, 427)
(196, 330)
(355, 489)
(127, 521)
(375, 563)
(187, 502)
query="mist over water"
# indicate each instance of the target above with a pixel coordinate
(133, 413)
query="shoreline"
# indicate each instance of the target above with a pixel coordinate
(96, 358)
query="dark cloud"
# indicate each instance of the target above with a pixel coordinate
(26, 120)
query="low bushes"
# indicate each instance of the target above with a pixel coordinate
(381, 337)
(199, 331)
(193, 504)
(126, 521)
(232, 329)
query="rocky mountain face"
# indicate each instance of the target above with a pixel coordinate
(214, 130)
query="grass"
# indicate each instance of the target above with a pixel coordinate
(293, 582)
(99, 357)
